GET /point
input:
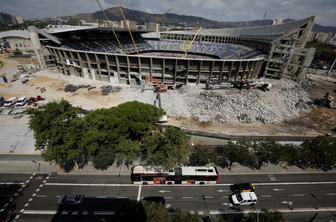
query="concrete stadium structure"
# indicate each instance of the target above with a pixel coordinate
(266, 51)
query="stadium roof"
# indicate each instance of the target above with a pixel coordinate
(15, 33)
(269, 32)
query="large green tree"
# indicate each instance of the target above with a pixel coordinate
(58, 132)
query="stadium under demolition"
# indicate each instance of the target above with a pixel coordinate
(212, 56)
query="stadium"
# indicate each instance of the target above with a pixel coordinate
(212, 56)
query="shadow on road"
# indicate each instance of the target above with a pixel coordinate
(8, 200)
(101, 209)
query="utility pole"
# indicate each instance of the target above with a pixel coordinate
(331, 68)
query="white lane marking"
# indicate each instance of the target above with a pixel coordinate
(225, 196)
(208, 197)
(2, 210)
(75, 212)
(331, 194)
(187, 197)
(64, 212)
(22, 210)
(185, 185)
(168, 205)
(104, 213)
(298, 195)
(30, 199)
(277, 189)
(34, 194)
(84, 212)
(122, 197)
(164, 191)
(227, 204)
(272, 177)
(41, 185)
(290, 203)
(27, 181)
(31, 177)
(266, 195)
(17, 216)
(221, 191)
(26, 205)
(200, 212)
(41, 196)
(284, 210)
(168, 197)
(38, 189)
(10, 183)
(44, 181)
(139, 193)
(46, 212)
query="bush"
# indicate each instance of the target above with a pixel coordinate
(201, 157)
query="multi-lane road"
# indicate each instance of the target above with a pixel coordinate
(299, 196)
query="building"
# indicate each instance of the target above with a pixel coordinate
(18, 40)
(278, 21)
(19, 20)
(152, 27)
(128, 23)
(216, 56)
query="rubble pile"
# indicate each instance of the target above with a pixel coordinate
(285, 101)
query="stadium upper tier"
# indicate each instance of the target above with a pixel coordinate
(267, 33)
(214, 50)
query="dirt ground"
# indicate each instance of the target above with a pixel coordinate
(318, 121)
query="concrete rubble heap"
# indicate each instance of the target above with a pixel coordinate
(286, 100)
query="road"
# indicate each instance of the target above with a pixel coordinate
(298, 196)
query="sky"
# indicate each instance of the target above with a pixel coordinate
(219, 10)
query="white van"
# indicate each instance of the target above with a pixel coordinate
(10, 102)
(22, 101)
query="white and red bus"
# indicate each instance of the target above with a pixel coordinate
(180, 175)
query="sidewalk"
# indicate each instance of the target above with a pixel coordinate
(43, 166)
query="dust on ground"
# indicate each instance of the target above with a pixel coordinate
(285, 110)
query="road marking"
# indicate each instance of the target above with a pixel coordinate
(44, 181)
(227, 204)
(221, 191)
(225, 196)
(34, 194)
(104, 213)
(41, 185)
(64, 212)
(10, 183)
(167, 205)
(200, 212)
(208, 197)
(38, 189)
(22, 210)
(331, 194)
(122, 197)
(17, 216)
(277, 189)
(139, 193)
(41, 196)
(164, 191)
(298, 195)
(284, 210)
(185, 185)
(290, 203)
(266, 195)
(27, 181)
(42, 212)
(26, 205)
(187, 197)
(30, 199)
(168, 197)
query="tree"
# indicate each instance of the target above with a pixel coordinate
(104, 158)
(169, 149)
(201, 157)
(58, 133)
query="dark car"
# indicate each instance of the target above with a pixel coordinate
(70, 199)
(242, 187)
(2, 100)
(155, 199)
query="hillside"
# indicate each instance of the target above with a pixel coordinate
(172, 18)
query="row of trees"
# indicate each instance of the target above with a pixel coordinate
(319, 153)
(119, 134)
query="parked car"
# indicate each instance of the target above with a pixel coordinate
(155, 199)
(244, 198)
(70, 199)
(22, 101)
(10, 102)
(2, 100)
(242, 187)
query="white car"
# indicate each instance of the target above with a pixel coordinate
(244, 198)
(10, 102)
(22, 101)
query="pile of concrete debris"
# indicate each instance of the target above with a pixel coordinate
(286, 100)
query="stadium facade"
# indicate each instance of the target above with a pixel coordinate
(216, 55)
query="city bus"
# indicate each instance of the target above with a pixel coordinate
(180, 175)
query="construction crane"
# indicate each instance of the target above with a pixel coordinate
(129, 30)
(109, 22)
(189, 46)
